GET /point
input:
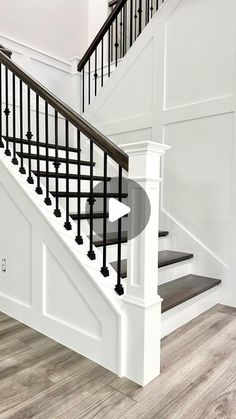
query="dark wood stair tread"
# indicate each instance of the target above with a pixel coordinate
(112, 238)
(183, 289)
(52, 159)
(86, 216)
(71, 176)
(41, 144)
(168, 257)
(87, 194)
(165, 258)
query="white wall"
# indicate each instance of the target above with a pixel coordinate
(97, 14)
(62, 28)
(180, 76)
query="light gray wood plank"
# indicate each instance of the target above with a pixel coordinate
(40, 378)
(186, 342)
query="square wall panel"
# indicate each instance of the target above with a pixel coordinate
(199, 52)
(197, 179)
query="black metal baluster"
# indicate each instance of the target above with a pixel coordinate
(112, 41)
(38, 188)
(124, 28)
(121, 32)
(140, 16)
(119, 287)
(135, 19)
(96, 73)
(91, 201)
(56, 164)
(102, 62)
(116, 43)
(151, 8)
(109, 52)
(22, 169)
(104, 269)
(7, 113)
(157, 6)
(29, 135)
(89, 81)
(83, 90)
(131, 22)
(47, 200)
(67, 224)
(79, 238)
(1, 142)
(14, 160)
(147, 11)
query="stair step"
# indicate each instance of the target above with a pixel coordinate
(112, 238)
(52, 159)
(165, 258)
(87, 194)
(71, 176)
(86, 216)
(168, 257)
(41, 144)
(183, 289)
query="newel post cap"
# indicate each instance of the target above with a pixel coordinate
(74, 64)
(143, 147)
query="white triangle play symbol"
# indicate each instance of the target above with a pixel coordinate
(117, 210)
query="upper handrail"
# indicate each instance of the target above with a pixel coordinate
(112, 3)
(104, 29)
(69, 114)
(6, 51)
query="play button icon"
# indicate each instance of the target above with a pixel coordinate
(134, 206)
(117, 210)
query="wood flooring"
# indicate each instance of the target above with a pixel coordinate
(40, 378)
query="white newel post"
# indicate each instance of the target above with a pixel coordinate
(141, 302)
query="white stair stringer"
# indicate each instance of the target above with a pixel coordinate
(50, 284)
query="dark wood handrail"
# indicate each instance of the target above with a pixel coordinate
(104, 29)
(69, 114)
(6, 51)
(112, 3)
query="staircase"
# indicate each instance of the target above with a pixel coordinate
(126, 22)
(63, 158)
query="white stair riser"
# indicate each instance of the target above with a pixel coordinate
(171, 272)
(163, 243)
(183, 313)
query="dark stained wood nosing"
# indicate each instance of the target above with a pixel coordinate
(165, 258)
(41, 144)
(183, 289)
(112, 238)
(71, 176)
(52, 159)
